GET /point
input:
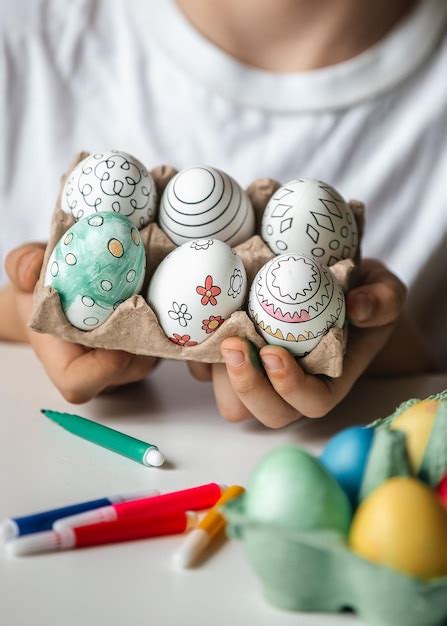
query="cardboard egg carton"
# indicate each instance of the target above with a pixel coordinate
(133, 326)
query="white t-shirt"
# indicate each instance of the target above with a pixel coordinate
(136, 76)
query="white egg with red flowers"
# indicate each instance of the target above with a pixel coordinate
(195, 289)
(310, 217)
(294, 301)
(204, 202)
(111, 181)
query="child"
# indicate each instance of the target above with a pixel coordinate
(347, 91)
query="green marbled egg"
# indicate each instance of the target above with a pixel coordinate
(96, 265)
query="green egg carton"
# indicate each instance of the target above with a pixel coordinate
(315, 571)
(434, 462)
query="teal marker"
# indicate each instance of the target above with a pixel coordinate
(135, 449)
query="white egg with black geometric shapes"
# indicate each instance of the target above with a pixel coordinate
(111, 181)
(204, 202)
(195, 289)
(310, 217)
(96, 265)
(294, 301)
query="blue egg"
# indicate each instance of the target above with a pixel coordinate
(345, 457)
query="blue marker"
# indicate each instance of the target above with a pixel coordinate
(38, 522)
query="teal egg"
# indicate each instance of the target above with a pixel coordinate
(96, 265)
(290, 487)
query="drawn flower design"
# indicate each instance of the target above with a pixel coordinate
(180, 313)
(236, 282)
(208, 292)
(202, 244)
(212, 323)
(182, 340)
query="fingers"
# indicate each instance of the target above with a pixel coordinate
(380, 298)
(23, 265)
(252, 387)
(200, 371)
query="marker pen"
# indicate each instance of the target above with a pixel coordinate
(209, 527)
(194, 499)
(44, 520)
(101, 534)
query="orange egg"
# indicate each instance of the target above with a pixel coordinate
(402, 525)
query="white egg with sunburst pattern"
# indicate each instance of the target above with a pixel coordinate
(310, 217)
(205, 203)
(294, 300)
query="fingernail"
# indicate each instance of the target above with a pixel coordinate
(235, 358)
(24, 266)
(364, 306)
(271, 362)
(253, 355)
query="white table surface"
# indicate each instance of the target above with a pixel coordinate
(133, 584)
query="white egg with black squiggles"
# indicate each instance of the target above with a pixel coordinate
(310, 217)
(195, 289)
(111, 181)
(294, 301)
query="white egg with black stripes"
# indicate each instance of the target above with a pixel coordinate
(310, 217)
(205, 203)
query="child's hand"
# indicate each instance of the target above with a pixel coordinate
(78, 372)
(276, 390)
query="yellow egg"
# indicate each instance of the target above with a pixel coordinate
(402, 525)
(417, 422)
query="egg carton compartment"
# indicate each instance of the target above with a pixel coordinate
(133, 326)
(316, 572)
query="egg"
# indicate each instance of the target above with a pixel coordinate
(294, 300)
(310, 217)
(290, 487)
(402, 525)
(417, 423)
(346, 456)
(196, 288)
(97, 264)
(111, 181)
(442, 490)
(206, 203)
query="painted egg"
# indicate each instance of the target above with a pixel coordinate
(97, 264)
(292, 488)
(195, 288)
(402, 525)
(417, 423)
(204, 202)
(294, 300)
(111, 181)
(442, 490)
(345, 456)
(310, 217)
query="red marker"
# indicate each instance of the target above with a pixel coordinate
(100, 534)
(442, 490)
(194, 499)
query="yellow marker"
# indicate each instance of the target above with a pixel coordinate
(210, 526)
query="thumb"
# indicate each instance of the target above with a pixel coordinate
(23, 265)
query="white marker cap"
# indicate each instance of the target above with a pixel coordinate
(103, 514)
(193, 545)
(153, 457)
(48, 541)
(8, 530)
